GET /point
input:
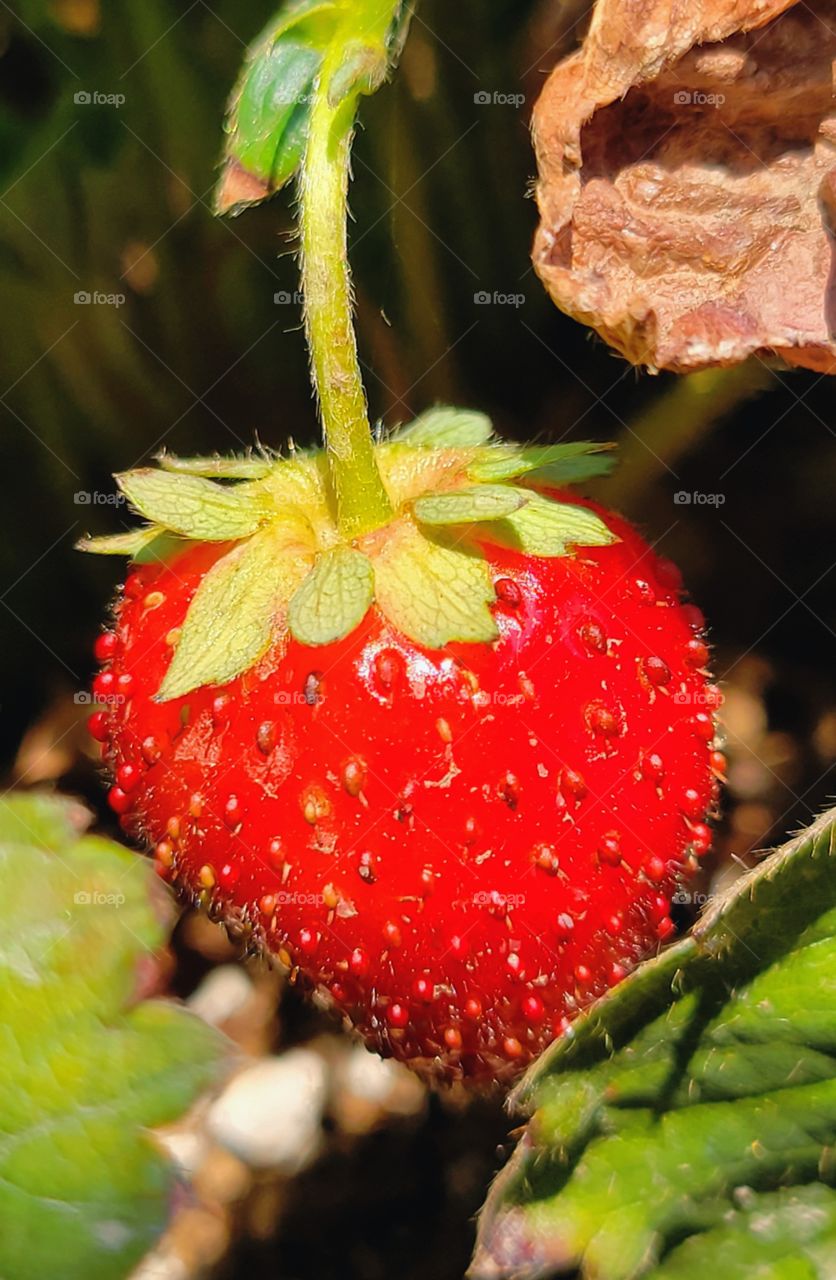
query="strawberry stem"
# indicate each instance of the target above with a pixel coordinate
(362, 501)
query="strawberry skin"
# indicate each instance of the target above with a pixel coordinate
(457, 847)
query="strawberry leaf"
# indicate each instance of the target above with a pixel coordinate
(466, 506)
(192, 506)
(679, 1103)
(546, 528)
(432, 592)
(334, 598)
(86, 1071)
(233, 617)
(269, 112)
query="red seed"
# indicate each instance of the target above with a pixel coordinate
(573, 784)
(97, 726)
(358, 962)
(508, 592)
(453, 1038)
(104, 685)
(691, 804)
(118, 800)
(583, 975)
(609, 850)
(473, 1008)
(266, 737)
(233, 812)
(665, 928)
(151, 749)
(592, 636)
(614, 924)
(221, 708)
(128, 777)
(229, 875)
(105, 646)
(308, 941)
(696, 653)
(397, 1015)
(653, 767)
(533, 1009)
(655, 869)
(423, 989)
(601, 720)
(392, 933)
(703, 726)
(354, 775)
(565, 926)
(656, 672)
(511, 1047)
(701, 838)
(718, 763)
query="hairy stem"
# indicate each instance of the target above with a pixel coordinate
(362, 502)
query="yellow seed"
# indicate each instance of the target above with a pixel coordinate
(206, 876)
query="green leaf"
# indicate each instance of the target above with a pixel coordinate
(552, 463)
(247, 468)
(547, 528)
(233, 617)
(334, 598)
(86, 1071)
(193, 507)
(469, 506)
(269, 112)
(711, 1068)
(785, 1235)
(447, 428)
(432, 592)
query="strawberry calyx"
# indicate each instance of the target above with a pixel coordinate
(291, 570)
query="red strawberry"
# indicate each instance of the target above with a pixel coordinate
(457, 843)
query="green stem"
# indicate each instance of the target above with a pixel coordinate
(362, 501)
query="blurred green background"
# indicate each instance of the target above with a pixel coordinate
(204, 352)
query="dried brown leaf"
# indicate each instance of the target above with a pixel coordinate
(687, 191)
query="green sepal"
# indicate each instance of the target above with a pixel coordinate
(131, 543)
(711, 1068)
(233, 618)
(235, 468)
(432, 592)
(445, 427)
(547, 528)
(87, 1071)
(551, 463)
(333, 599)
(193, 507)
(469, 506)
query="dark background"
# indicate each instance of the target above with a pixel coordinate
(202, 357)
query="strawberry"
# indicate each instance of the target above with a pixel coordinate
(450, 770)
